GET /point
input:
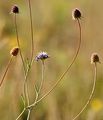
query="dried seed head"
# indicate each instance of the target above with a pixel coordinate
(15, 9)
(14, 51)
(42, 56)
(76, 14)
(94, 58)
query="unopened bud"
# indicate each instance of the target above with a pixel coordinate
(14, 51)
(94, 58)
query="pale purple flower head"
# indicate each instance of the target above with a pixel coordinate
(42, 56)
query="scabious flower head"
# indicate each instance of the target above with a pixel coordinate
(76, 14)
(15, 9)
(94, 58)
(42, 56)
(14, 51)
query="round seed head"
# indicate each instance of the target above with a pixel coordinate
(14, 51)
(42, 56)
(76, 14)
(94, 58)
(15, 9)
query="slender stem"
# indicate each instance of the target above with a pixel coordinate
(91, 95)
(31, 27)
(68, 68)
(21, 114)
(42, 80)
(26, 87)
(28, 117)
(6, 70)
(18, 42)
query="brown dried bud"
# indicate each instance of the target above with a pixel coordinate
(76, 14)
(15, 9)
(94, 58)
(14, 51)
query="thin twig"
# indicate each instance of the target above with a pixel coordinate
(28, 117)
(21, 114)
(31, 27)
(26, 87)
(6, 70)
(42, 80)
(91, 95)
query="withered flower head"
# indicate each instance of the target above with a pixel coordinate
(42, 56)
(94, 58)
(14, 51)
(15, 9)
(76, 14)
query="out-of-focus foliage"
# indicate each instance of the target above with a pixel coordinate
(56, 33)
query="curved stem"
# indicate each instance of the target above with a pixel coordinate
(68, 68)
(8, 65)
(17, 37)
(91, 95)
(31, 27)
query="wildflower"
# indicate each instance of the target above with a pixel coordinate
(76, 14)
(15, 9)
(14, 51)
(42, 56)
(94, 58)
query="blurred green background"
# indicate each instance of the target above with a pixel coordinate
(56, 33)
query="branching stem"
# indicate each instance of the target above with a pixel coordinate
(68, 68)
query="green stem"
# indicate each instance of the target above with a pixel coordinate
(91, 95)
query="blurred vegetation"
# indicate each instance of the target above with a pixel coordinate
(56, 33)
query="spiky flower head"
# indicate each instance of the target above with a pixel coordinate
(76, 14)
(94, 58)
(42, 56)
(14, 51)
(15, 9)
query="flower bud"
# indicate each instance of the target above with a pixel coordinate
(15, 9)
(14, 51)
(76, 14)
(94, 58)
